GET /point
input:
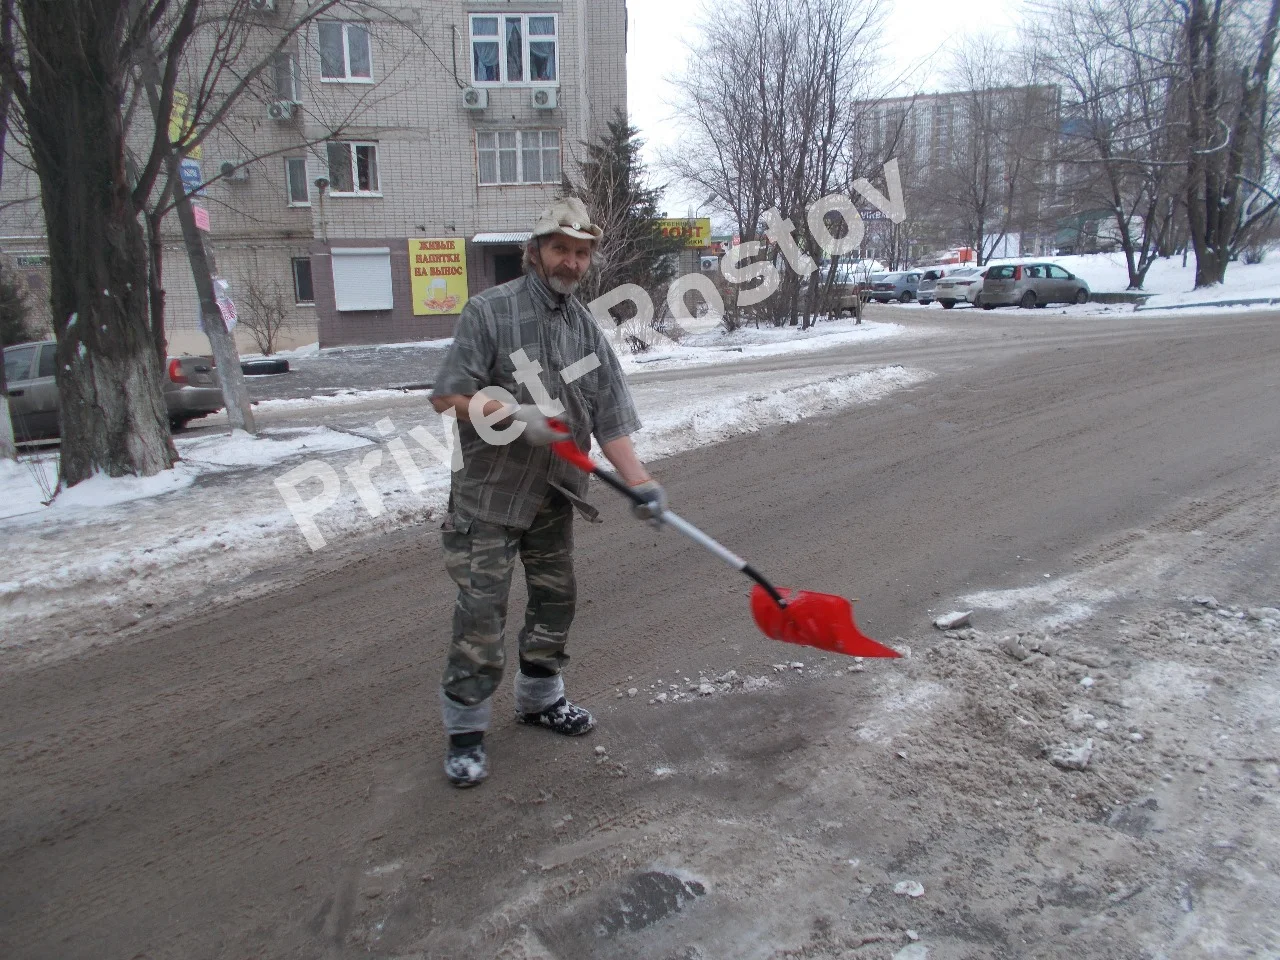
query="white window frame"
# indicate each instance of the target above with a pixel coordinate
(288, 60)
(289, 184)
(519, 181)
(293, 270)
(501, 39)
(346, 51)
(355, 190)
(362, 279)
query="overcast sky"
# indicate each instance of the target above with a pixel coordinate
(660, 29)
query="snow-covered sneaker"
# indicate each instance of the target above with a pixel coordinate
(466, 764)
(562, 717)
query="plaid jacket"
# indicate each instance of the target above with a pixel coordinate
(506, 484)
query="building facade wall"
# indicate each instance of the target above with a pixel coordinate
(412, 111)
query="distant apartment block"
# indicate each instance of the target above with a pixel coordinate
(952, 146)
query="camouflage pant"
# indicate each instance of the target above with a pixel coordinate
(480, 559)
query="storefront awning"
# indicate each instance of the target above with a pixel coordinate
(502, 237)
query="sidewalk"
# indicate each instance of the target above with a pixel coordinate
(384, 367)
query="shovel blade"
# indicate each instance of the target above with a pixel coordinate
(820, 620)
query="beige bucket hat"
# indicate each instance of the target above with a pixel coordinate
(568, 216)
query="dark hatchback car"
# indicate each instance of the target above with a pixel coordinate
(190, 390)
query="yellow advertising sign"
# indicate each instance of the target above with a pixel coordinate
(438, 276)
(178, 123)
(696, 231)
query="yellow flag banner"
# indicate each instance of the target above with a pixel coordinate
(178, 123)
(438, 276)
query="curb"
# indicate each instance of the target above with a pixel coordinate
(1120, 297)
(1240, 302)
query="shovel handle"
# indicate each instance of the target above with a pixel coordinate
(568, 450)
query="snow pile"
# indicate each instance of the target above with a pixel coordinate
(746, 343)
(681, 428)
(271, 448)
(26, 485)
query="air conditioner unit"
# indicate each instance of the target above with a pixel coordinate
(475, 99)
(266, 6)
(232, 172)
(282, 109)
(544, 98)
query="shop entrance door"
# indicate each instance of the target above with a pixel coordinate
(506, 266)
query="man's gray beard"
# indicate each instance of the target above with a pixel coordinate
(562, 287)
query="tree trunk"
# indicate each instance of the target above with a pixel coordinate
(155, 285)
(8, 450)
(112, 410)
(1220, 145)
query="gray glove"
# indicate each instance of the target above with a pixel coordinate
(537, 431)
(655, 501)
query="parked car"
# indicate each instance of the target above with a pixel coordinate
(1031, 285)
(926, 293)
(852, 283)
(190, 390)
(900, 286)
(960, 285)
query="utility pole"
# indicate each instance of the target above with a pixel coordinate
(226, 358)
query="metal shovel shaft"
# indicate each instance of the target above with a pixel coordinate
(677, 522)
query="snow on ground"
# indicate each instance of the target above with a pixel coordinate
(26, 486)
(92, 564)
(708, 343)
(313, 349)
(1170, 284)
(673, 429)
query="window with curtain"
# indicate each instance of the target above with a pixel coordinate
(353, 168)
(303, 287)
(542, 48)
(295, 175)
(285, 68)
(485, 50)
(345, 54)
(540, 156)
(514, 48)
(517, 156)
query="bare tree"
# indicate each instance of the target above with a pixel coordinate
(8, 451)
(13, 329)
(83, 73)
(68, 70)
(264, 312)
(986, 168)
(1115, 61)
(1228, 54)
(766, 109)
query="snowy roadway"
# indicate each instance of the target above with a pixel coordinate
(261, 778)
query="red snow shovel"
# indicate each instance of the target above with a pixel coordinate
(809, 619)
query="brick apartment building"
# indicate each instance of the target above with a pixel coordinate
(944, 141)
(454, 120)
